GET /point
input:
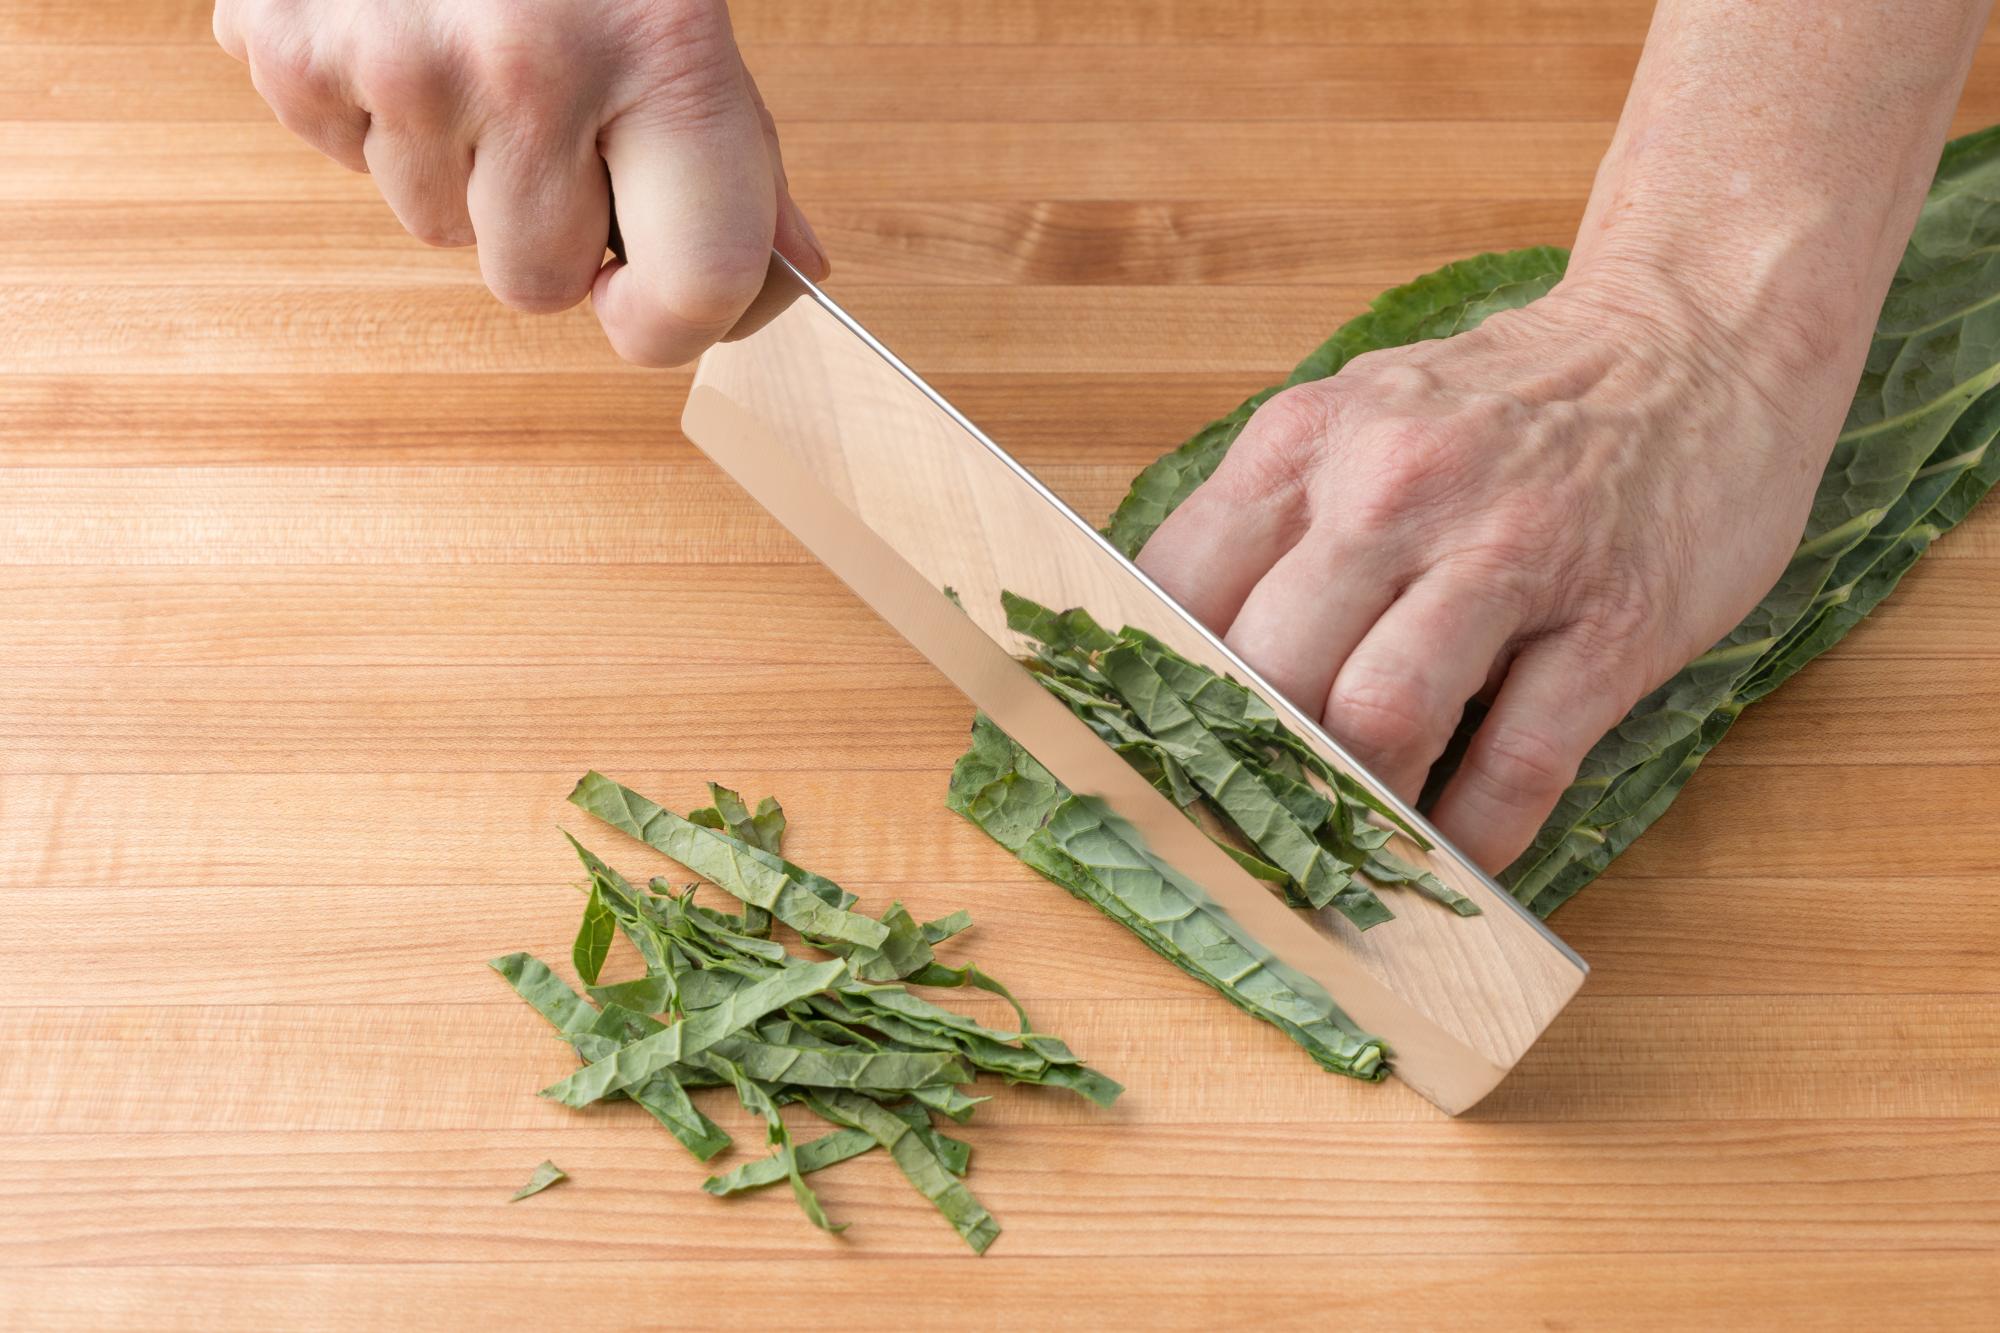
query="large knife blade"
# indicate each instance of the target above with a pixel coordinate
(902, 497)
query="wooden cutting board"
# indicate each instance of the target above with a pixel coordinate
(322, 577)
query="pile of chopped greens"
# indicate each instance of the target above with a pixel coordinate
(1912, 460)
(724, 1003)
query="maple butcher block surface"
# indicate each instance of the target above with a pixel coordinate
(322, 578)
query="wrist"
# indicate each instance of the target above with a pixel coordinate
(1796, 341)
(1778, 310)
(1691, 355)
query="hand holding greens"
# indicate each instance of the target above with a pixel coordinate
(722, 1003)
(1914, 457)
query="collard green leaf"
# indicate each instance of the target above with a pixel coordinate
(1385, 869)
(546, 992)
(954, 1154)
(748, 872)
(757, 1100)
(650, 994)
(914, 1032)
(810, 1156)
(968, 974)
(1062, 631)
(999, 786)
(740, 823)
(917, 1161)
(662, 1097)
(1085, 1083)
(547, 1174)
(870, 1071)
(769, 821)
(949, 1101)
(1271, 828)
(640, 1061)
(623, 902)
(905, 950)
(938, 931)
(593, 936)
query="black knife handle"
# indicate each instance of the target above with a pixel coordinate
(615, 241)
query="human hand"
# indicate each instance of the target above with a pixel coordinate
(494, 121)
(1555, 511)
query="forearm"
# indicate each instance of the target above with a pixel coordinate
(1769, 165)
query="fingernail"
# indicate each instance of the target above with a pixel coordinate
(811, 238)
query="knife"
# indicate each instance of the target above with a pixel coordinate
(902, 497)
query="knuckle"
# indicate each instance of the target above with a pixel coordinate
(399, 82)
(712, 294)
(1377, 715)
(1402, 464)
(1614, 607)
(1274, 454)
(1296, 413)
(1524, 765)
(1497, 576)
(285, 67)
(223, 26)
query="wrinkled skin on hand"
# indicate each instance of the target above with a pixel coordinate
(1553, 512)
(497, 122)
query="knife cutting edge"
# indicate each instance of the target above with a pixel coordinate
(902, 497)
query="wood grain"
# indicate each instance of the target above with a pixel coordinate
(322, 577)
(1663, 1291)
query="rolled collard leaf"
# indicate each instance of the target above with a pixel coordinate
(1172, 914)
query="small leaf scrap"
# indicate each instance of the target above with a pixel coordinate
(547, 1174)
